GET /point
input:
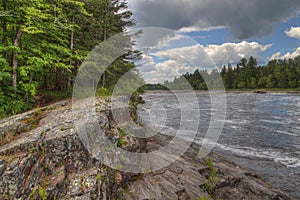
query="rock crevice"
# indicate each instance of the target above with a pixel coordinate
(48, 160)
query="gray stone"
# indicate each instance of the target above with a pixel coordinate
(53, 156)
(185, 178)
(2, 166)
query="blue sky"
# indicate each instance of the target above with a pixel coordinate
(227, 30)
(279, 40)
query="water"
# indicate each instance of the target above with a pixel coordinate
(261, 132)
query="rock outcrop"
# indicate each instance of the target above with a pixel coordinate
(49, 158)
(42, 157)
(190, 177)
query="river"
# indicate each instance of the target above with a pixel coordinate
(261, 131)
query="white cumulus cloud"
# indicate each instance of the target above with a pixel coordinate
(234, 52)
(205, 56)
(177, 61)
(167, 41)
(293, 32)
(289, 55)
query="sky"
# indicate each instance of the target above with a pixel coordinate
(225, 30)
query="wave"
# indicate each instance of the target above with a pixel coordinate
(270, 154)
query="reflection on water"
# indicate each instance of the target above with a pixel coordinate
(261, 132)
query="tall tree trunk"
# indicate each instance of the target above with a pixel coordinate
(15, 59)
(58, 79)
(71, 48)
(4, 29)
(45, 82)
(104, 38)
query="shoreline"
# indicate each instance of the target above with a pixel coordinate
(52, 158)
(227, 91)
(211, 177)
(266, 178)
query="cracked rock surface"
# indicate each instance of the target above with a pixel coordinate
(50, 158)
(187, 177)
(43, 157)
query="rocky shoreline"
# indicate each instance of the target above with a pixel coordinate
(191, 177)
(42, 157)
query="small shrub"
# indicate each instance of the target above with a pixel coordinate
(32, 150)
(205, 198)
(42, 193)
(101, 91)
(212, 181)
(38, 193)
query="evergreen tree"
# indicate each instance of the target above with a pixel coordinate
(247, 75)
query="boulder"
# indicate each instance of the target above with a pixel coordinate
(260, 92)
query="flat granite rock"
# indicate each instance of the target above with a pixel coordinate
(185, 178)
(52, 159)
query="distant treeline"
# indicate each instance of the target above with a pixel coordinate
(245, 75)
(156, 87)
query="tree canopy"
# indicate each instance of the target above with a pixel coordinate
(44, 42)
(246, 74)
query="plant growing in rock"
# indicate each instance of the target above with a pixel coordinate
(32, 150)
(38, 193)
(205, 198)
(212, 180)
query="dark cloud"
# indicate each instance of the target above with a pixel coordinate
(245, 18)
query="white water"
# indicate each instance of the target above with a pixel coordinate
(261, 132)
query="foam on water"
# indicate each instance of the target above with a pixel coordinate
(286, 133)
(261, 131)
(267, 154)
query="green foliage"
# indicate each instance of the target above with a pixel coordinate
(38, 193)
(43, 43)
(205, 198)
(42, 193)
(212, 181)
(122, 142)
(101, 91)
(32, 193)
(155, 87)
(246, 75)
(10, 106)
(209, 164)
(32, 150)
